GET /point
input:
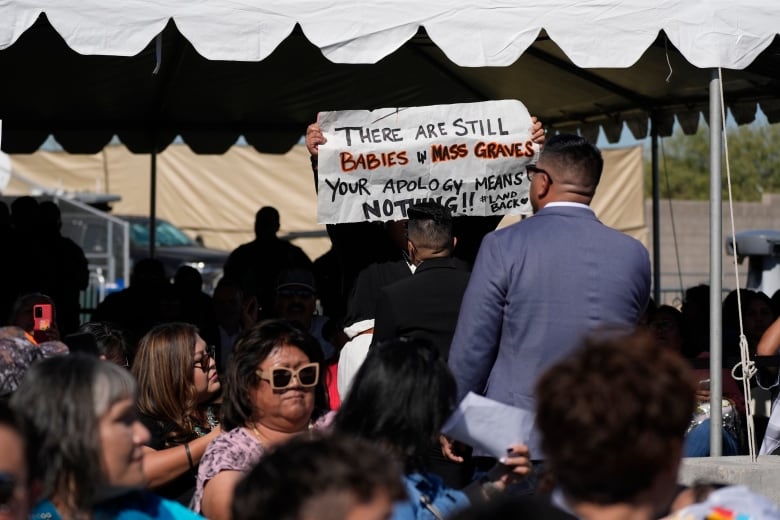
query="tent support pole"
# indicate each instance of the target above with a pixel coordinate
(716, 268)
(656, 211)
(153, 203)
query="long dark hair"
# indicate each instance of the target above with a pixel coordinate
(61, 400)
(400, 398)
(163, 367)
(251, 349)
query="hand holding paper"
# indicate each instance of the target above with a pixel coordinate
(488, 425)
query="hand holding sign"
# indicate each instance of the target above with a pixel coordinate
(470, 157)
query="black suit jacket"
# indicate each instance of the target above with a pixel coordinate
(425, 305)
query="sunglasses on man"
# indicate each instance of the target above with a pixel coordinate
(281, 378)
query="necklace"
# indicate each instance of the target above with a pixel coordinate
(211, 420)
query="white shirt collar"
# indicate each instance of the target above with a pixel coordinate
(568, 204)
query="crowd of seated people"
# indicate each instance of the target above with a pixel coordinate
(175, 404)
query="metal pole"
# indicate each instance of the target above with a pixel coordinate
(153, 204)
(656, 212)
(716, 269)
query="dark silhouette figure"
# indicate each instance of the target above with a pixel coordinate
(257, 264)
(138, 308)
(64, 272)
(195, 305)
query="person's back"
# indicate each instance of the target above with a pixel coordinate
(426, 304)
(65, 271)
(539, 286)
(550, 304)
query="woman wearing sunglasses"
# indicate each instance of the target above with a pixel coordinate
(177, 376)
(88, 442)
(273, 392)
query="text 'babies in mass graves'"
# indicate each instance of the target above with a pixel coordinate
(438, 152)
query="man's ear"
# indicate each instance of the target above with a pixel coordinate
(454, 242)
(543, 187)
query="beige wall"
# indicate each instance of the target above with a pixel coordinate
(216, 196)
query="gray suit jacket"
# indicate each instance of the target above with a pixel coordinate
(537, 288)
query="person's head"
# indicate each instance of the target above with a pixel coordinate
(666, 324)
(148, 273)
(50, 217)
(429, 232)
(696, 320)
(757, 315)
(266, 222)
(110, 341)
(613, 416)
(80, 416)
(188, 280)
(331, 478)
(176, 371)
(273, 377)
(396, 233)
(400, 397)
(228, 303)
(18, 488)
(296, 296)
(25, 214)
(568, 169)
(22, 314)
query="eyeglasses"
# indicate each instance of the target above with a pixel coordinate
(281, 377)
(532, 169)
(7, 488)
(204, 362)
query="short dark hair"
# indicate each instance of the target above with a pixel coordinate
(251, 349)
(296, 474)
(430, 226)
(610, 414)
(110, 341)
(579, 162)
(400, 397)
(266, 221)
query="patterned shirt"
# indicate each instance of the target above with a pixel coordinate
(235, 450)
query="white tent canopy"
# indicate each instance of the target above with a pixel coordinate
(147, 70)
(592, 33)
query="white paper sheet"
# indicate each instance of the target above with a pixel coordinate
(489, 426)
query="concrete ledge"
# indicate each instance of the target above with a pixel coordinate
(762, 476)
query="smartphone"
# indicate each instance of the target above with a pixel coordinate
(42, 316)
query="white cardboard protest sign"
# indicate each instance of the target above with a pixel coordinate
(470, 157)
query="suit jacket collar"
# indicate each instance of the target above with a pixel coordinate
(436, 263)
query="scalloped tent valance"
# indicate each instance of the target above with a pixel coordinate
(263, 69)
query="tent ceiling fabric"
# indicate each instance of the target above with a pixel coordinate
(263, 69)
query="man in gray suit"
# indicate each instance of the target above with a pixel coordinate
(539, 286)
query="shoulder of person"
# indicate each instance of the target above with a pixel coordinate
(426, 493)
